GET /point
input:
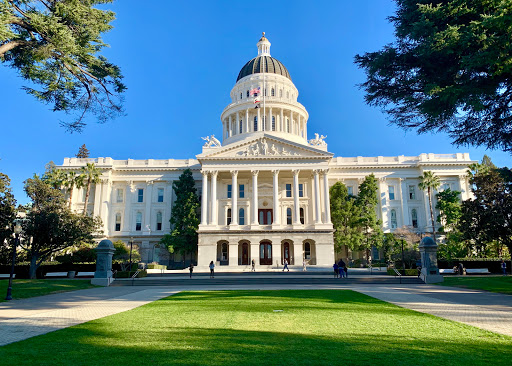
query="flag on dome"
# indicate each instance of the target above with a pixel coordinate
(255, 91)
(256, 101)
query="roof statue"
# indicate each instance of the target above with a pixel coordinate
(318, 140)
(211, 141)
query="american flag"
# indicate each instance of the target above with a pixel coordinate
(256, 101)
(255, 91)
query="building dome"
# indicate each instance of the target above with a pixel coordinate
(262, 64)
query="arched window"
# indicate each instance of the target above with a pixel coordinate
(241, 216)
(224, 252)
(273, 123)
(301, 216)
(240, 126)
(272, 92)
(280, 93)
(247, 93)
(255, 123)
(287, 125)
(307, 250)
(240, 95)
(288, 216)
(229, 217)
(118, 222)
(393, 220)
(414, 216)
(158, 221)
(138, 221)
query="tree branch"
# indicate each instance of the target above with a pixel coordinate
(11, 45)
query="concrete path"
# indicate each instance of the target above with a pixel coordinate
(22, 319)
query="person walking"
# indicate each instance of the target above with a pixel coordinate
(341, 268)
(253, 266)
(504, 267)
(212, 266)
(191, 269)
(336, 270)
(286, 265)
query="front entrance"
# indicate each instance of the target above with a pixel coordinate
(286, 252)
(245, 254)
(265, 253)
(265, 216)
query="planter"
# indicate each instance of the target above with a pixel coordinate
(71, 274)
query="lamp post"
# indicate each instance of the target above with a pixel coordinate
(403, 262)
(17, 231)
(131, 246)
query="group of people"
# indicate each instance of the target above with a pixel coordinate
(340, 269)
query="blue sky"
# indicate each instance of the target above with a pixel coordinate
(180, 60)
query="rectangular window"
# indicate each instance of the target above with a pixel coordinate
(288, 190)
(446, 186)
(118, 226)
(160, 195)
(140, 195)
(412, 193)
(119, 195)
(391, 191)
(288, 216)
(159, 226)
(241, 191)
(301, 190)
(229, 191)
(350, 190)
(228, 217)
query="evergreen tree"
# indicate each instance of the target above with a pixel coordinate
(54, 45)
(184, 217)
(449, 206)
(83, 152)
(7, 217)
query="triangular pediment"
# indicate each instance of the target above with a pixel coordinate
(264, 147)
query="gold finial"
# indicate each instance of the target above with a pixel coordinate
(263, 34)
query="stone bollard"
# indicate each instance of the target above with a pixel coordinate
(429, 270)
(103, 275)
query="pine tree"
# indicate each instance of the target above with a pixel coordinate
(7, 217)
(83, 152)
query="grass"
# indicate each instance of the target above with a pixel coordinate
(501, 284)
(22, 289)
(315, 327)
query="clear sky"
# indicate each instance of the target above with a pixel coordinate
(180, 60)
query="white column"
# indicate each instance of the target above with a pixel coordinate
(299, 123)
(237, 124)
(318, 218)
(254, 216)
(281, 122)
(97, 199)
(405, 205)
(305, 128)
(126, 224)
(233, 254)
(247, 126)
(327, 202)
(277, 212)
(147, 214)
(269, 122)
(224, 129)
(312, 200)
(258, 125)
(296, 206)
(234, 198)
(213, 213)
(204, 199)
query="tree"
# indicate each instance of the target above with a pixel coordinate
(55, 45)
(429, 182)
(449, 206)
(345, 217)
(83, 152)
(122, 255)
(54, 177)
(7, 217)
(184, 217)
(409, 239)
(50, 226)
(73, 180)
(448, 70)
(91, 176)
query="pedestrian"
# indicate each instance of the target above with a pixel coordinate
(286, 265)
(191, 269)
(212, 266)
(336, 269)
(504, 267)
(461, 269)
(341, 268)
(253, 266)
(304, 264)
(345, 269)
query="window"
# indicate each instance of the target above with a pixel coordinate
(301, 216)
(391, 191)
(138, 222)
(446, 186)
(393, 220)
(158, 221)
(241, 191)
(414, 216)
(412, 193)
(288, 216)
(229, 190)
(350, 190)
(272, 92)
(307, 250)
(160, 197)
(255, 123)
(247, 93)
(84, 193)
(240, 95)
(118, 222)
(119, 195)
(287, 125)
(240, 126)
(288, 190)
(140, 195)
(224, 252)
(228, 221)
(273, 123)
(281, 93)
(301, 190)
(265, 91)
(241, 216)
(264, 128)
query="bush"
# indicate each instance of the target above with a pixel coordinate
(156, 266)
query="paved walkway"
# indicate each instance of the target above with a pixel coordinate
(22, 319)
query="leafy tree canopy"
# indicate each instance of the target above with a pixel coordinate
(55, 45)
(7, 217)
(345, 216)
(449, 70)
(449, 206)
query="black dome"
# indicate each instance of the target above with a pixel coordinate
(255, 66)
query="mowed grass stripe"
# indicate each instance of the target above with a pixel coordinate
(316, 327)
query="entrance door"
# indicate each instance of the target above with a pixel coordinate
(286, 252)
(245, 254)
(265, 216)
(265, 253)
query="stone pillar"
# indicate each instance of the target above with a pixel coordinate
(234, 198)
(247, 126)
(405, 205)
(97, 199)
(254, 215)
(281, 121)
(147, 212)
(429, 269)
(258, 125)
(126, 223)
(277, 211)
(255, 253)
(318, 215)
(230, 127)
(204, 199)
(298, 254)
(296, 205)
(233, 254)
(312, 199)
(327, 202)
(269, 124)
(237, 123)
(214, 209)
(103, 275)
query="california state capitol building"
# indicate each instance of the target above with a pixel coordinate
(264, 185)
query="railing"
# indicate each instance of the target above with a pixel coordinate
(397, 273)
(135, 276)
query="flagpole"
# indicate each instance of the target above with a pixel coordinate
(264, 92)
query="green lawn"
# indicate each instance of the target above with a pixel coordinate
(315, 327)
(500, 284)
(21, 289)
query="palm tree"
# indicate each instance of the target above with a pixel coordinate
(56, 178)
(429, 181)
(91, 175)
(73, 180)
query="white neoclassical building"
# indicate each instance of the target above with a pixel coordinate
(265, 188)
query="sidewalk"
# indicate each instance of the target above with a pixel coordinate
(22, 319)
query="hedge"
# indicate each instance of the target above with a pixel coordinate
(493, 264)
(22, 270)
(126, 274)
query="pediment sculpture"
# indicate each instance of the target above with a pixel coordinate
(211, 141)
(261, 148)
(318, 140)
